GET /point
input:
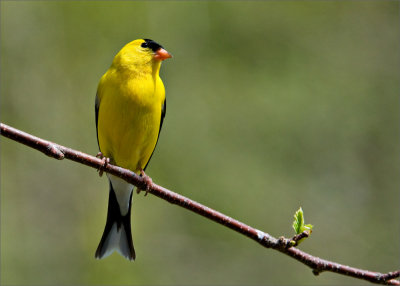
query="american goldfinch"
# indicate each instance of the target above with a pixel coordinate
(130, 107)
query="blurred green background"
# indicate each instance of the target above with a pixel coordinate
(271, 106)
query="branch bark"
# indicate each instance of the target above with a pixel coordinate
(281, 244)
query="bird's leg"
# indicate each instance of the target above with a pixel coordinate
(104, 160)
(147, 180)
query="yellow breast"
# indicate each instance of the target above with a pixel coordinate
(129, 118)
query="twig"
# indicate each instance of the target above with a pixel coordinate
(295, 239)
(282, 244)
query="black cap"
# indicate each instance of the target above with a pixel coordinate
(151, 44)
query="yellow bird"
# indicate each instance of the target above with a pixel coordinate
(130, 107)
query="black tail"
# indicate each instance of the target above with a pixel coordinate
(117, 233)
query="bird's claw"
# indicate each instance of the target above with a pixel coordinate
(100, 155)
(105, 162)
(148, 181)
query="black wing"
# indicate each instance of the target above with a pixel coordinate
(163, 111)
(96, 112)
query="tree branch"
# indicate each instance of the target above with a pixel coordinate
(281, 244)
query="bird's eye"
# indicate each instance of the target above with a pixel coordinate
(144, 45)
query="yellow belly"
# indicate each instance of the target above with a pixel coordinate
(128, 124)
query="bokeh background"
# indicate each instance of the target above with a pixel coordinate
(271, 106)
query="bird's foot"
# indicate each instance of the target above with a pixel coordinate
(105, 162)
(148, 181)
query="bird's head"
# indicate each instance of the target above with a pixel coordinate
(141, 53)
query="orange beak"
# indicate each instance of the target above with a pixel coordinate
(162, 54)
